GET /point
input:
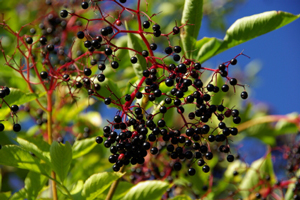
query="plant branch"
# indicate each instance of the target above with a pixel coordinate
(114, 186)
(49, 130)
(269, 118)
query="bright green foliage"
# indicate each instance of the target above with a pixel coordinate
(15, 156)
(192, 14)
(242, 30)
(61, 158)
(97, 183)
(147, 190)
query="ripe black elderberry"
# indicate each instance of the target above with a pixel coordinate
(205, 168)
(107, 101)
(233, 81)
(14, 108)
(101, 67)
(84, 5)
(1, 127)
(168, 50)
(114, 64)
(176, 58)
(29, 40)
(64, 13)
(223, 73)
(244, 95)
(157, 33)
(177, 166)
(230, 158)
(16, 127)
(145, 53)
(43, 40)
(176, 30)
(87, 71)
(44, 75)
(99, 139)
(233, 61)
(225, 88)
(153, 150)
(177, 49)
(153, 46)
(108, 51)
(133, 60)
(146, 24)
(191, 171)
(80, 34)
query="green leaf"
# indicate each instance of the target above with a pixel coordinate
(0, 179)
(61, 158)
(76, 190)
(97, 183)
(136, 43)
(34, 183)
(258, 169)
(82, 147)
(237, 165)
(12, 155)
(245, 29)
(192, 14)
(182, 197)
(122, 188)
(289, 193)
(122, 42)
(37, 146)
(5, 195)
(207, 48)
(147, 190)
(20, 195)
(284, 126)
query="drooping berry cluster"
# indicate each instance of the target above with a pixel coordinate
(5, 91)
(135, 130)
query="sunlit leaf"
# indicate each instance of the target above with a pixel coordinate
(98, 183)
(15, 156)
(82, 147)
(61, 157)
(192, 14)
(147, 190)
(245, 29)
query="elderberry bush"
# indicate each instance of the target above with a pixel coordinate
(176, 121)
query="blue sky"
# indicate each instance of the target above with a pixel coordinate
(278, 51)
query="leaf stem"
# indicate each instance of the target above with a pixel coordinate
(114, 186)
(269, 118)
(49, 130)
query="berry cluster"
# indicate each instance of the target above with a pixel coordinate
(170, 103)
(135, 130)
(5, 91)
